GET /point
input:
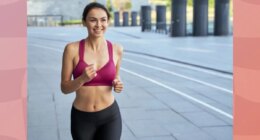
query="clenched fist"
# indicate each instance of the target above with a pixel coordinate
(118, 85)
(89, 73)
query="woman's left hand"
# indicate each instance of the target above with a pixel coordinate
(118, 85)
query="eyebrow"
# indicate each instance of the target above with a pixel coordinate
(100, 18)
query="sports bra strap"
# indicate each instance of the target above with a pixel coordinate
(110, 50)
(81, 49)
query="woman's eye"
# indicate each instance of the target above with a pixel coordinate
(92, 20)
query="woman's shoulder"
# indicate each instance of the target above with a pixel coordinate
(118, 48)
(72, 47)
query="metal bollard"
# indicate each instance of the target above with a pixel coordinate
(116, 19)
(221, 21)
(125, 19)
(160, 18)
(133, 18)
(146, 18)
(178, 18)
(200, 17)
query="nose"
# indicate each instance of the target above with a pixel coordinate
(98, 24)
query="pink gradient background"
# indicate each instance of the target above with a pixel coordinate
(13, 72)
(246, 69)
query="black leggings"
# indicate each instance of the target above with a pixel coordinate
(101, 125)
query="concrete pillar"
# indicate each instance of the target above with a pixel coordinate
(146, 18)
(161, 17)
(116, 19)
(125, 19)
(133, 18)
(200, 17)
(221, 22)
(178, 18)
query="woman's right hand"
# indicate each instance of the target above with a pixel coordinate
(89, 73)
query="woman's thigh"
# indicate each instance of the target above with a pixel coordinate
(82, 127)
(111, 130)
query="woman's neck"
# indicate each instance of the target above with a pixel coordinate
(95, 43)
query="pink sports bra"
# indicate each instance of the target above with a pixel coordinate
(105, 75)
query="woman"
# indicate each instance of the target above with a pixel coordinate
(94, 63)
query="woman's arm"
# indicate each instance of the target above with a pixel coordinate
(68, 85)
(118, 85)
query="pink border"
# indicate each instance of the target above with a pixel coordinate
(246, 69)
(13, 72)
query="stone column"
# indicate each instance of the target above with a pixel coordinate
(161, 17)
(133, 18)
(125, 19)
(221, 22)
(178, 18)
(116, 19)
(200, 17)
(146, 18)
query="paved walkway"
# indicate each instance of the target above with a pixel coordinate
(175, 88)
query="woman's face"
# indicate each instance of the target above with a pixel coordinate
(96, 21)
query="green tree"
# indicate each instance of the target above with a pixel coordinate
(168, 3)
(128, 5)
(109, 6)
(190, 3)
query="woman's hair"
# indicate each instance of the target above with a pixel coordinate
(91, 6)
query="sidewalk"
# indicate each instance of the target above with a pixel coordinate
(214, 52)
(149, 111)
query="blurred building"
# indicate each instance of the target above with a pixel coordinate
(72, 9)
(67, 8)
(51, 12)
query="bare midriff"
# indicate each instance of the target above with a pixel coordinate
(93, 98)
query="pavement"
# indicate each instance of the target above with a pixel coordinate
(176, 88)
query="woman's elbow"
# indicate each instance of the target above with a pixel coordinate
(63, 89)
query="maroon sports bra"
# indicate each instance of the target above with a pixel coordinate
(105, 75)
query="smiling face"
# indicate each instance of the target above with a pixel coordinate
(97, 22)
